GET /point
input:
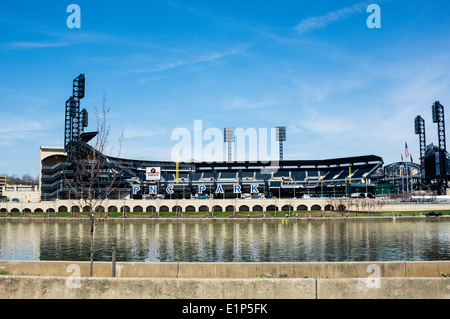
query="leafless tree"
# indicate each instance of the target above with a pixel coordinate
(94, 178)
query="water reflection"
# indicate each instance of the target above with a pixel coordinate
(224, 241)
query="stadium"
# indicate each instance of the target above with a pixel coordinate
(292, 179)
(338, 177)
(66, 174)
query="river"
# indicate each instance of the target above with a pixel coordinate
(229, 241)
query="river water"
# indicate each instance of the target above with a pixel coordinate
(229, 241)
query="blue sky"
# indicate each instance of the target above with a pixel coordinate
(340, 88)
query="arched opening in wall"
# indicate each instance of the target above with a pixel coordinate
(203, 208)
(75, 209)
(190, 209)
(341, 208)
(50, 210)
(316, 207)
(229, 208)
(86, 209)
(287, 208)
(50, 164)
(302, 207)
(177, 209)
(329, 207)
(27, 210)
(271, 208)
(100, 209)
(3, 210)
(244, 208)
(138, 209)
(217, 208)
(38, 210)
(164, 209)
(14, 210)
(52, 160)
(150, 209)
(62, 209)
(112, 209)
(124, 209)
(257, 208)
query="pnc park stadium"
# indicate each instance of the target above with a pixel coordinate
(133, 185)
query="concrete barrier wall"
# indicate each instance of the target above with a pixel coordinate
(16, 287)
(385, 269)
(426, 269)
(384, 288)
(44, 287)
(286, 269)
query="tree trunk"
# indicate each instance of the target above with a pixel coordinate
(91, 268)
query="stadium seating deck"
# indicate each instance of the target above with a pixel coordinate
(289, 175)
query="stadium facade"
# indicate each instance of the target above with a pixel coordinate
(290, 179)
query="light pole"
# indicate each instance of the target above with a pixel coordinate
(229, 138)
(281, 137)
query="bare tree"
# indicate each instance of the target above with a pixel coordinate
(94, 176)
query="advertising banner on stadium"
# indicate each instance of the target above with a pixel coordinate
(153, 173)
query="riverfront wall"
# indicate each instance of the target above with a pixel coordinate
(43, 287)
(219, 205)
(334, 280)
(405, 269)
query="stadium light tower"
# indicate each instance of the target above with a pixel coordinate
(79, 86)
(281, 137)
(75, 121)
(419, 126)
(438, 117)
(229, 138)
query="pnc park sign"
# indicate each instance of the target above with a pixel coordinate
(153, 189)
(154, 174)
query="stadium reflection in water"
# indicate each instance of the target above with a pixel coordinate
(225, 241)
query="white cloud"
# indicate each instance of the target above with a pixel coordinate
(313, 23)
(37, 44)
(14, 124)
(244, 103)
(133, 132)
(15, 128)
(179, 63)
(60, 39)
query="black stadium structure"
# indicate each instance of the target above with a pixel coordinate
(338, 177)
(292, 178)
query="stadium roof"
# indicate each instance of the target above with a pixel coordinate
(343, 161)
(334, 162)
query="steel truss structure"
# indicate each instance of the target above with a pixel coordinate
(434, 159)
